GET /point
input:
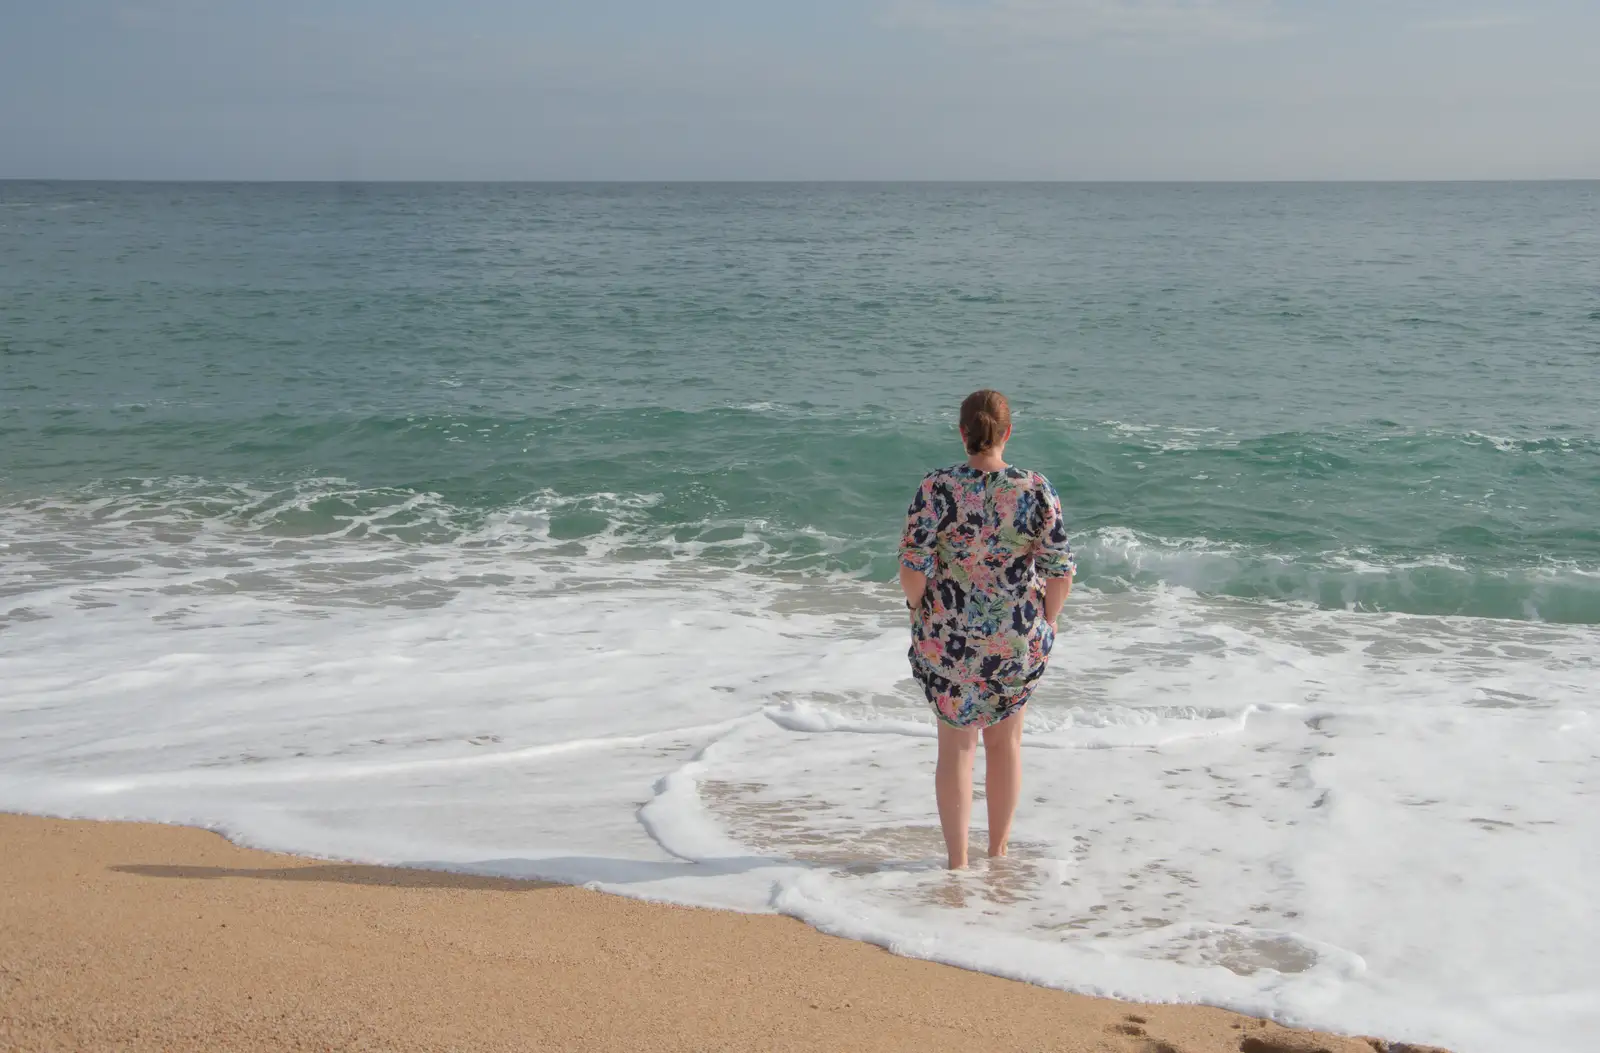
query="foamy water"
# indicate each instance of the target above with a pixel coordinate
(548, 530)
(1376, 823)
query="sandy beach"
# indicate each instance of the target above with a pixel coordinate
(131, 936)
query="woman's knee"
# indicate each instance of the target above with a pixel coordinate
(1005, 735)
(957, 740)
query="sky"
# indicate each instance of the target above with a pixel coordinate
(803, 89)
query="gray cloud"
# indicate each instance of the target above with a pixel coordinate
(923, 89)
(1079, 19)
(1470, 23)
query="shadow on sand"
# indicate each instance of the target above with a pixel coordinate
(544, 873)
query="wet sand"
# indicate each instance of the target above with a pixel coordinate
(127, 936)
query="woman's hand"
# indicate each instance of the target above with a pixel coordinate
(913, 583)
(1056, 591)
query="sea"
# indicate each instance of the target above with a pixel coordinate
(550, 531)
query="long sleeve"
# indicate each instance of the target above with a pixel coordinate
(921, 532)
(1052, 553)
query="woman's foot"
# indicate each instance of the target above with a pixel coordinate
(997, 852)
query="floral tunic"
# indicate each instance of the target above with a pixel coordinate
(986, 541)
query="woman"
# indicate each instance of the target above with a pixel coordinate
(985, 566)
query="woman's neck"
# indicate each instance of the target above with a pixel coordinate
(990, 460)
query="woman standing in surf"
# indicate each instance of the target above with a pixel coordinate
(985, 566)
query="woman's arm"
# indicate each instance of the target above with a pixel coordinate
(913, 583)
(1052, 552)
(1056, 591)
(917, 542)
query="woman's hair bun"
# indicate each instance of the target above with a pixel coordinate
(985, 419)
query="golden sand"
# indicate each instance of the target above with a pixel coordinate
(126, 936)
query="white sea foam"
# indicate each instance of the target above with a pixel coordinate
(1173, 438)
(1353, 579)
(1547, 444)
(1374, 823)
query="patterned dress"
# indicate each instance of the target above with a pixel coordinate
(987, 541)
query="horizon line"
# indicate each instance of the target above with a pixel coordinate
(804, 182)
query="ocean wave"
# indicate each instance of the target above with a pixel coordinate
(1445, 585)
(1545, 444)
(185, 520)
(1357, 446)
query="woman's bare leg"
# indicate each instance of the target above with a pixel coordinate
(1002, 780)
(952, 785)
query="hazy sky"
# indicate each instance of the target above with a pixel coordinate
(803, 89)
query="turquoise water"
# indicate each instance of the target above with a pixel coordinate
(1378, 397)
(548, 531)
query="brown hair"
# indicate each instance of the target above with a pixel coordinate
(985, 419)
